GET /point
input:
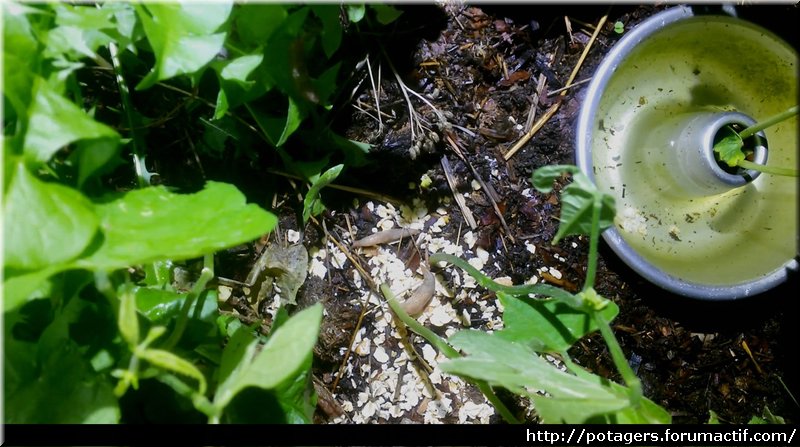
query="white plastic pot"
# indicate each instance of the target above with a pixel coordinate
(645, 133)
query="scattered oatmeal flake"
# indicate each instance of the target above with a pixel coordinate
(385, 224)
(469, 239)
(527, 192)
(472, 410)
(363, 347)
(346, 405)
(504, 280)
(466, 320)
(380, 355)
(443, 315)
(438, 409)
(293, 236)
(476, 262)
(574, 244)
(429, 354)
(531, 247)
(317, 268)
(482, 254)
(338, 258)
(475, 185)
(369, 409)
(556, 274)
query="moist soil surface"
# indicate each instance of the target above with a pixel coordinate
(491, 72)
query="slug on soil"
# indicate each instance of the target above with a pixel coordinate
(421, 297)
(384, 237)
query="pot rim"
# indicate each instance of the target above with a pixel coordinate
(583, 159)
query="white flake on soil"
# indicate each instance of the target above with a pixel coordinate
(293, 236)
(472, 410)
(380, 355)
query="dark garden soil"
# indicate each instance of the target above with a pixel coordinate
(481, 66)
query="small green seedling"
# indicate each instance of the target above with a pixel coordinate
(619, 27)
(732, 150)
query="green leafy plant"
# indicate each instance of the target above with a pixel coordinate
(549, 323)
(109, 310)
(619, 27)
(731, 148)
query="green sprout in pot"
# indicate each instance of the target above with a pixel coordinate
(733, 147)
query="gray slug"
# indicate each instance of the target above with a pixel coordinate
(384, 237)
(419, 300)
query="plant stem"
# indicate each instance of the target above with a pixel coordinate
(789, 172)
(633, 383)
(594, 236)
(142, 175)
(775, 119)
(447, 350)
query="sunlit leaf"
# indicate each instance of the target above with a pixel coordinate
(729, 149)
(152, 223)
(312, 203)
(183, 36)
(552, 324)
(284, 356)
(518, 368)
(44, 223)
(55, 122)
(578, 200)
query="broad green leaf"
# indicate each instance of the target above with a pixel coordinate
(128, 320)
(331, 36)
(54, 370)
(182, 35)
(255, 23)
(45, 223)
(152, 223)
(66, 390)
(285, 355)
(17, 288)
(297, 397)
(325, 85)
(312, 205)
(551, 324)
(83, 16)
(158, 305)
(578, 199)
(385, 14)
(171, 362)
(74, 42)
(236, 357)
(19, 55)
(96, 157)
(278, 128)
(729, 149)
(56, 122)
(518, 368)
(544, 177)
(235, 88)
